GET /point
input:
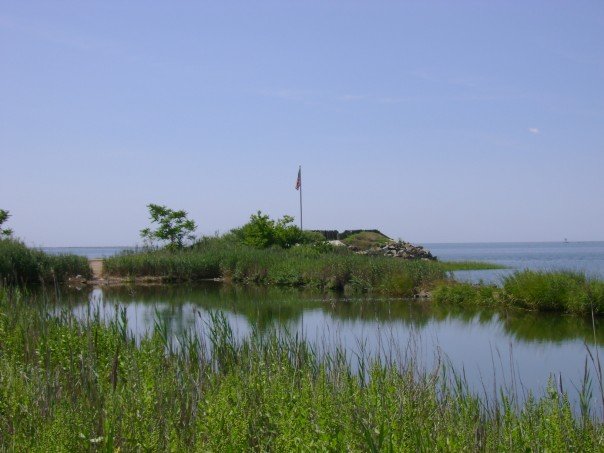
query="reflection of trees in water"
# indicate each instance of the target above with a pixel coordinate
(410, 312)
(262, 307)
(522, 325)
(265, 307)
(528, 326)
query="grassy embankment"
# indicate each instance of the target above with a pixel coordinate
(22, 265)
(318, 267)
(366, 239)
(82, 385)
(562, 291)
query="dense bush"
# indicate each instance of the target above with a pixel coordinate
(262, 232)
(20, 264)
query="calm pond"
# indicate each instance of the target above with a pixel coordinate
(514, 349)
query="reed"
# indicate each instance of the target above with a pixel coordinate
(318, 267)
(559, 291)
(22, 265)
(555, 291)
(458, 293)
(73, 385)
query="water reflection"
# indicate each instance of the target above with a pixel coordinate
(491, 347)
(265, 308)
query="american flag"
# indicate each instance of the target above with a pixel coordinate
(299, 180)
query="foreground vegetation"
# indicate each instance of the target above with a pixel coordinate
(82, 385)
(563, 291)
(22, 265)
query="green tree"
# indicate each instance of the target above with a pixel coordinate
(4, 232)
(262, 231)
(172, 226)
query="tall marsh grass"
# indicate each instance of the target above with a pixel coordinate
(306, 266)
(69, 385)
(561, 291)
(555, 291)
(20, 264)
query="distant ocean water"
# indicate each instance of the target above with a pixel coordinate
(585, 257)
(88, 252)
(579, 256)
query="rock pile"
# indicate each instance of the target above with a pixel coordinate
(402, 249)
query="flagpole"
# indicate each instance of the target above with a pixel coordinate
(300, 170)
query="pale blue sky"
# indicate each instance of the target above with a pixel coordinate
(433, 121)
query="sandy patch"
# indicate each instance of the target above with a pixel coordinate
(97, 268)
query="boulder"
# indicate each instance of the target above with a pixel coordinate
(399, 249)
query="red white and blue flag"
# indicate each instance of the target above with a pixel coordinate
(299, 180)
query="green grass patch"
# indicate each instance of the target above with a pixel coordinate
(470, 265)
(366, 240)
(82, 385)
(20, 264)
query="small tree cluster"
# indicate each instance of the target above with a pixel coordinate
(172, 226)
(262, 231)
(4, 232)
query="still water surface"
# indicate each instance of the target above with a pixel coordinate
(585, 257)
(492, 348)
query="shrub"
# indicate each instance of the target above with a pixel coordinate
(262, 232)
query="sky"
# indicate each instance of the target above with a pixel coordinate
(433, 121)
